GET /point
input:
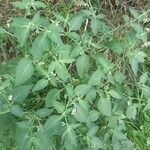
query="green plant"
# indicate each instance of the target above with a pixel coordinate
(78, 82)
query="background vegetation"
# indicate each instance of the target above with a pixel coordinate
(74, 75)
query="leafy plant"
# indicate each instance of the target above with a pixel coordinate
(77, 82)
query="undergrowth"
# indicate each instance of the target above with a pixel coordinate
(74, 75)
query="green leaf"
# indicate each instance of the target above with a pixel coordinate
(69, 138)
(145, 90)
(54, 32)
(115, 94)
(131, 111)
(95, 25)
(104, 106)
(22, 137)
(75, 22)
(16, 110)
(21, 29)
(96, 143)
(42, 141)
(135, 58)
(69, 91)
(24, 4)
(144, 78)
(96, 77)
(51, 123)
(81, 90)
(51, 96)
(91, 95)
(2, 30)
(80, 114)
(38, 4)
(59, 106)
(75, 52)
(134, 65)
(40, 45)
(110, 78)
(62, 72)
(41, 84)
(39, 21)
(92, 131)
(93, 115)
(103, 61)
(24, 71)
(82, 65)
(140, 32)
(20, 93)
(119, 77)
(116, 46)
(147, 106)
(134, 13)
(59, 16)
(43, 112)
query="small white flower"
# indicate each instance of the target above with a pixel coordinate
(147, 29)
(74, 111)
(63, 123)
(146, 44)
(37, 31)
(128, 102)
(10, 97)
(41, 63)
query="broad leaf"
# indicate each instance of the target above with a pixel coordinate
(41, 84)
(42, 141)
(52, 123)
(22, 137)
(21, 29)
(75, 22)
(115, 94)
(59, 106)
(54, 31)
(91, 95)
(40, 45)
(95, 25)
(131, 112)
(20, 93)
(104, 106)
(24, 71)
(16, 110)
(93, 115)
(51, 96)
(96, 77)
(62, 72)
(82, 89)
(69, 138)
(116, 46)
(96, 143)
(43, 112)
(82, 65)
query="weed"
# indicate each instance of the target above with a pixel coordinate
(74, 75)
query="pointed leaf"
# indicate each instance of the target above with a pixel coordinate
(104, 106)
(24, 71)
(115, 94)
(75, 22)
(51, 96)
(41, 84)
(131, 112)
(20, 93)
(82, 65)
(40, 45)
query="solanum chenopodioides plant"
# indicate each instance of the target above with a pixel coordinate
(72, 85)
